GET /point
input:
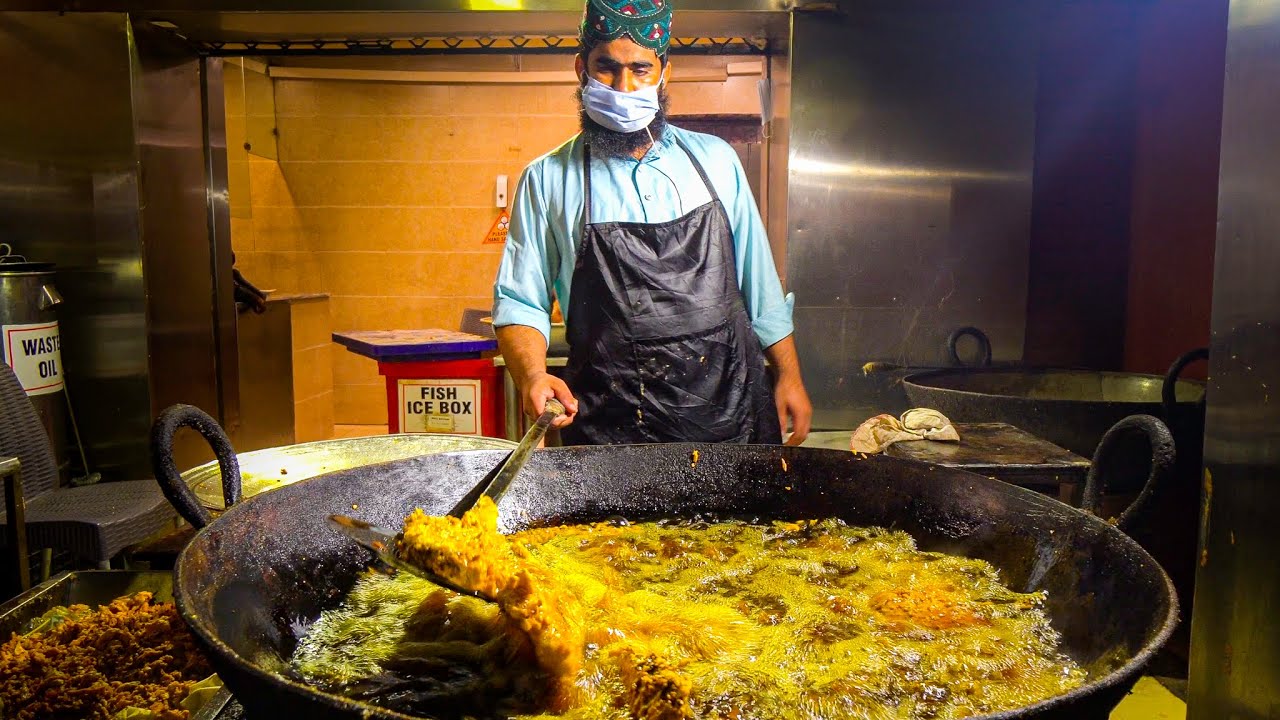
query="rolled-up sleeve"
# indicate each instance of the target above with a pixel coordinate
(769, 309)
(522, 290)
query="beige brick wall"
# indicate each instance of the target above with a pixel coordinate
(313, 395)
(383, 193)
(268, 236)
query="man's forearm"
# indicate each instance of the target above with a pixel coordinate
(794, 408)
(524, 350)
(784, 359)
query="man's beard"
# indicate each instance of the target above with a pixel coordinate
(613, 144)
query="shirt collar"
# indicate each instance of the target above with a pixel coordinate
(661, 145)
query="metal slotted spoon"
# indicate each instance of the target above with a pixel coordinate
(383, 542)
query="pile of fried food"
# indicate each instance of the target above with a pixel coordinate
(470, 553)
(685, 620)
(134, 658)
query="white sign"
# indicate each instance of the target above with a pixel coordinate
(35, 354)
(449, 405)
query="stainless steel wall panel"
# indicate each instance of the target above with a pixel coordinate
(179, 257)
(778, 141)
(90, 132)
(1235, 647)
(225, 328)
(912, 145)
(68, 195)
(113, 403)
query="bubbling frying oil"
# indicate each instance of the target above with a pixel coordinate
(724, 620)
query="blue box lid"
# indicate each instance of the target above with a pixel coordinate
(413, 344)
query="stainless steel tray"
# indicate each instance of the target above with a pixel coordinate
(95, 588)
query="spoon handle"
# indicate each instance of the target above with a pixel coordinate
(516, 461)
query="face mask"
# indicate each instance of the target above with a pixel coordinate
(620, 111)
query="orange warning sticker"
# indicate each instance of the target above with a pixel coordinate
(498, 233)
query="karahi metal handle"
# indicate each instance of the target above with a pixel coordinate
(1163, 460)
(1169, 391)
(984, 346)
(175, 489)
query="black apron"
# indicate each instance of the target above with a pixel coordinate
(661, 348)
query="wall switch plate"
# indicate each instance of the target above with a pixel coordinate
(500, 194)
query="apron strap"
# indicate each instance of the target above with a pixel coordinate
(711, 189)
(586, 186)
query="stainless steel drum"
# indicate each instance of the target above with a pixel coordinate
(31, 344)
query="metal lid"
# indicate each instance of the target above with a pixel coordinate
(11, 263)
(25, 268)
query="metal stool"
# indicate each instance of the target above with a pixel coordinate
(94, 522)
(16, 529)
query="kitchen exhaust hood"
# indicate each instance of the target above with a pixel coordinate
(317, 27)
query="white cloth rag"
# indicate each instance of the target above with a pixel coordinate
(881, 431)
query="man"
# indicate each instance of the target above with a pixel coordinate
(649, 237)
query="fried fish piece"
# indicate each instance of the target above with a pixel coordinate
(928, 606)
(472, 554)
(654, 688)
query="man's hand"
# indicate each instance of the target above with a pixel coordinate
(541, 386)
(788, 390)
(524, 350)
(793, 403)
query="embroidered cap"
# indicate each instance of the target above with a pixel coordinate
(646, 22)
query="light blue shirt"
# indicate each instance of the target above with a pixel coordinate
(546, 225)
